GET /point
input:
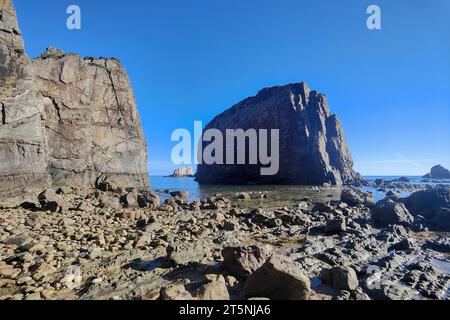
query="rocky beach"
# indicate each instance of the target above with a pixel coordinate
(80, 220)
(119, 244)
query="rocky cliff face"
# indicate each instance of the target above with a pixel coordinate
(91, 121)
(312, 146)
(65, 120)
(23, 152)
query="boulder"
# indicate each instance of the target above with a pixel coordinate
(215, 288)
(336, 226)
(438, 172)
(148, 200)
(184, 195)
(278, 279)
(387, 212)
(427, 202)
(355, 196)
(242, 261)
(184, 253)
(312, 146)
(340, 278)
(175, 292)
(50, 201)
(110, 202)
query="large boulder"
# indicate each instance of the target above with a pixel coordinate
(242, 261)
(312, 147)
(278, 279)
(438, 172)
(427, 202)
(387, 212)
(23, 149)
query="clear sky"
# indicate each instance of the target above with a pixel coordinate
(190, 60)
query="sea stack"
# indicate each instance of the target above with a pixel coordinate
(438, 172)
(312, 146)
(65, 120)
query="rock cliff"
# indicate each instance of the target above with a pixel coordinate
(23, 151)
(312, 146)
(91, 121)
(65, 120)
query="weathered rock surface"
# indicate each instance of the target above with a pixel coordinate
(427, 202)
(340, 278)
(23, 149)
(438, 172)
(92, 125)
(243, 260)
(279, 280)
(387, 212)
(312, 147)
(65, 120)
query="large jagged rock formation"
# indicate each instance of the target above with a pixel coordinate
(65, 120)
(92, 125)
(313, 150)
(23, 152)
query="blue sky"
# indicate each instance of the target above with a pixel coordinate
(190, 60)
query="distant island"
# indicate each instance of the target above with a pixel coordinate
(187, 172)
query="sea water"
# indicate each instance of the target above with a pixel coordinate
(278, 195)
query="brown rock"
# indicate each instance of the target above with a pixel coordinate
(278, 279)
(243, 260)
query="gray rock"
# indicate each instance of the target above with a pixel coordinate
(442, 244)
(438, 172)
(336, 226)
(340, 278)
(354, 196)
(184, 253)
(387, 212)
(278, 279)
(427, 202)
(242, 261)
(22, 137)
(312, 146)
(441, 220)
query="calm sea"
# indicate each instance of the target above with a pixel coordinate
(279, 195)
